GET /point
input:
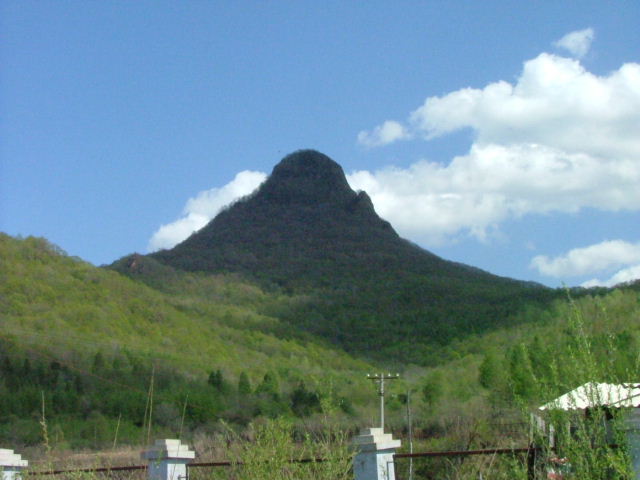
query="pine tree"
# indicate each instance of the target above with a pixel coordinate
(216, 380)
(244, 386)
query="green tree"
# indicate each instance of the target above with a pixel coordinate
(244, 385)
(490, 371)
(522, 379)
(269, 386)
(98, 363)
(432, 388)
(216, 380)
(303, 401)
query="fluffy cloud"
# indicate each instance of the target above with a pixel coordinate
(474, 193)
(611, 254)
(555, 102)
(388, 132)
(559, 139)
(577, 43)
(623, 276)
(202, 208)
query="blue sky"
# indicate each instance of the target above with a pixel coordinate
(504, 135)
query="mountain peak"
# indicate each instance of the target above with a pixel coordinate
(306, 231)
(306, 176)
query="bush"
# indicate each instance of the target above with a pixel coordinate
(274, 452)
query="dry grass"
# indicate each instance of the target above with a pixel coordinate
(39, 460)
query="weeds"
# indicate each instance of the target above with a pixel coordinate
(582, 435)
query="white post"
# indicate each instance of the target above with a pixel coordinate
(11, 464)
(632, 431)
(167, 460)
(374, 460)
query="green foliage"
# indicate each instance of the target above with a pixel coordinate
(274, 452)
(244, 385)
(304, 402)
(356, 283)
(217, 381)
(432, 388)
(57, 313)
(582, 437)
(490, 370)
(88, 338)
(521, 373)
(269, 386)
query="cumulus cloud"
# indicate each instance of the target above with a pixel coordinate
(577, 43)
(555, 102)
(611, 254)
(200, 209)
(558, 139)
(474, 193)
(623, 276)
(389, 132)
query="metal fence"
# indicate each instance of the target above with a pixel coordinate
(129, 472)
(224, 470)
(472, 464)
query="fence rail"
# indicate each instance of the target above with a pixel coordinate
(87, 470)
(144, 467)
(532, 455)
(461, 453)
(449, 453)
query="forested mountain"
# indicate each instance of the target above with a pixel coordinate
(88, 344)
(251, 317)
(304, 231)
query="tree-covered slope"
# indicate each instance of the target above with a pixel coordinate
(369, 291)
(49, 298)
(88, 341)
(482, 397)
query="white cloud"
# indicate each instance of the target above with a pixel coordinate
(202, 208)
(389, 132)
(555, 102)
(625, 275)
(602, 257)
(577, 43)
(558, 139)
(474, 193)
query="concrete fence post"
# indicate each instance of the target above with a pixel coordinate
(11, 464)
(374, 460)
(167, 460)
(632, 431)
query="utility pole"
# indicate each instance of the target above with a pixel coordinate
(380, 378)
(409, 422)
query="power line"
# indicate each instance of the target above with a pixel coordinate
(380, 378)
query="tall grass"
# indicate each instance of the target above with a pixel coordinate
(273, 449)
(587, 444)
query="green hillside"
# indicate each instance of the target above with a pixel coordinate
(89, 343)
(90, 338)
(368, 291)
(481, 397)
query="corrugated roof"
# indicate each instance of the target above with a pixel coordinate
(597, 395)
